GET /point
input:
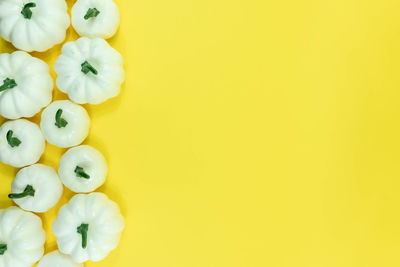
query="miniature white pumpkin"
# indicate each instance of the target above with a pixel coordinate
(95, 18)
(21, 238)
(34, 25)
(21, 143)
(89, 71)
(65, 124)
(83, 169)
(36, 188)
(25, 85)
(88, 227)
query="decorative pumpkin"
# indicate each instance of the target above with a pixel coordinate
(21, 143)
(95, 18)
(21, 238)
(65, 124)
(25, 85)
(89, 71)
(88, 227)
(83, 169)
(34, 25)
(36, 188)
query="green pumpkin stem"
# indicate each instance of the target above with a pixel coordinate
(29, 191)
(91, 13)
(12, 141)
(26, 11)
(80, 172)
(86, 68)
(7, 84)
(83, 229)
(60, 122)
(3, 248)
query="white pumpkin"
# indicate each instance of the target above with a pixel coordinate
(88, 227)
(36, 188)
(34, 25)
(25, 85)
(21, 143)
(65, 124)
(95, 18)
(89, 71)
(57, 259)
(83, 169)
(21, 238)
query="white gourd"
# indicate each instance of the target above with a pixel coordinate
(34, 25)
(89, 71)
(88, 227)
(25, 85)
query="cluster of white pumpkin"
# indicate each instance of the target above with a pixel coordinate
(89, 70)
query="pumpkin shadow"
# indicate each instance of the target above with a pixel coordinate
(6, 47)
(5, 204)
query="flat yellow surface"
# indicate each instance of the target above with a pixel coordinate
(251, 133)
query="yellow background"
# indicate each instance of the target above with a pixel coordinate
(251, 133)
